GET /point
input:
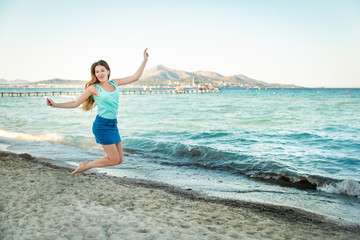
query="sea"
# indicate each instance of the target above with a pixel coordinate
(293, 147)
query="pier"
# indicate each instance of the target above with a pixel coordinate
(122, 92)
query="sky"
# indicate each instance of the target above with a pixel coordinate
(311, 43)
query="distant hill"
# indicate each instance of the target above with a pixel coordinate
(59, 82)
(165, 73)
(164, 76)
(16, 81)
(56, 82)
(208, 74)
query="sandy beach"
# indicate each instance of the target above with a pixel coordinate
(39, 200)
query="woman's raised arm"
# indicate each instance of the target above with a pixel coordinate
(136, 76)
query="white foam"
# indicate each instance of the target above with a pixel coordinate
(3, 147)
(48, 137)
(346, 187)
(72, 163)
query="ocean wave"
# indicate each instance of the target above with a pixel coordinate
(184, 154)
(345, 187)
(207, 158)
(199, 156)
(286, 180)
(209, 135)
(203, 157)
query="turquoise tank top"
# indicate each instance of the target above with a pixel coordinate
(108, 102)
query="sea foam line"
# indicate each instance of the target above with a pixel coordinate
(48, 137)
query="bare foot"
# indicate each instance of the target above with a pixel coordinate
(81, 168)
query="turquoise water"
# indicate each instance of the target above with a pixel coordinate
(294, 147)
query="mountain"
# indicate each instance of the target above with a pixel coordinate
(165, 73)
(60, 81)
(52, 83)
(16, 81)
(164, 76)
(208, 74)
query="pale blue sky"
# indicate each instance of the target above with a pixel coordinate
(305, 42)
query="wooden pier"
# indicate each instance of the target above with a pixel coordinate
(123, 92)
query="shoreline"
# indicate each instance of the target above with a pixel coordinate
(40, 198)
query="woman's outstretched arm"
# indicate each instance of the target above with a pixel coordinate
(91, 90)
(136, 76)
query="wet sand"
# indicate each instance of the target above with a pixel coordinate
(39, 200)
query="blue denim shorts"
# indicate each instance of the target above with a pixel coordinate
(106, 131)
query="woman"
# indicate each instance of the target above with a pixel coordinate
(106, 95)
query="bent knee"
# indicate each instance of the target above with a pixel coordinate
(116, 160)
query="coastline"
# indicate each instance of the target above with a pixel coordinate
(40, 199)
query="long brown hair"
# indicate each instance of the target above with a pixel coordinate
(89, 102)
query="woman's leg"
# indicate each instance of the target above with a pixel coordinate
(114, 156)
(120, 152)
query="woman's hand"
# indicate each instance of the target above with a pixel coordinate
(146, 54)
(136, 76)
(50, 102)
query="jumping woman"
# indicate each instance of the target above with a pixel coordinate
(105, 94)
